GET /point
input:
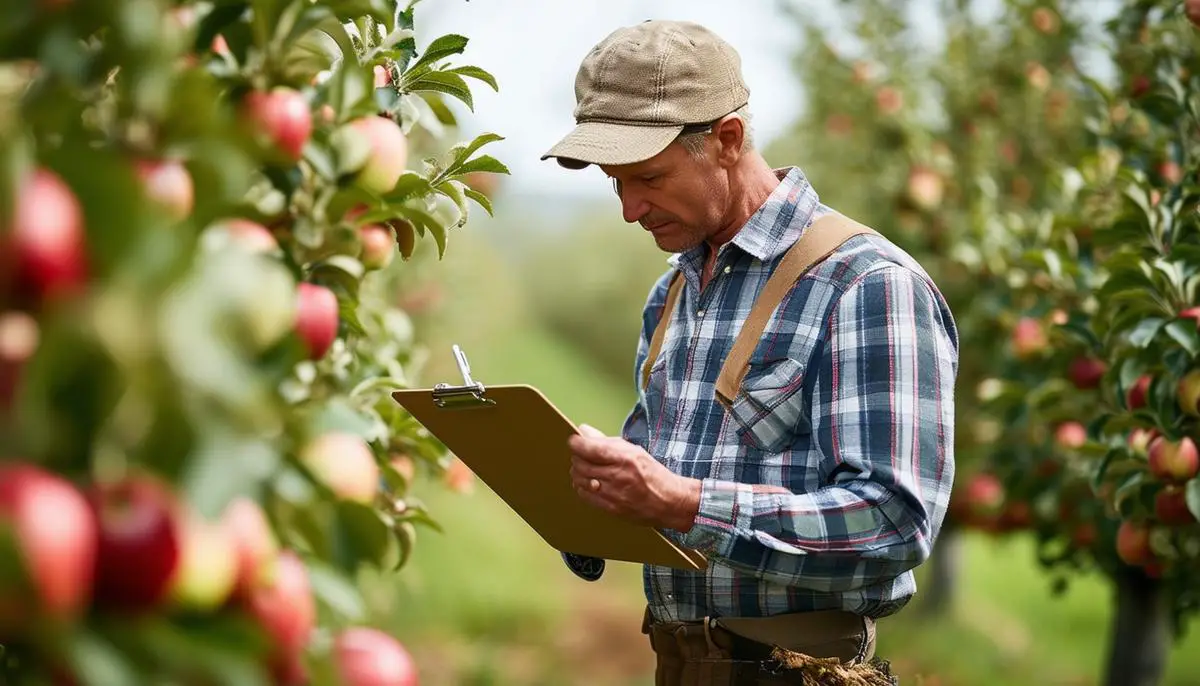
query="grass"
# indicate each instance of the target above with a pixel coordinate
(490, 603)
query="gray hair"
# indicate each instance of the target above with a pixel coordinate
(694, 142)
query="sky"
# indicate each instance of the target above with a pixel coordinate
(533, 47)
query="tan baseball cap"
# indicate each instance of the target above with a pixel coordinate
(638, 88)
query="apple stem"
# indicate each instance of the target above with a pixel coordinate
(1140, 637)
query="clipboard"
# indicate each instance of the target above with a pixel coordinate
(515, 440)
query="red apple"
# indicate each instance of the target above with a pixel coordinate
(1086, 372)
(1071, 434)
(1139, 85)
(1191, 313)
(286, 611)
(1028, 337)
(378, 246)
(1017, 515)
(208, 566)
(889, 100)
(245, 234)
(1170, 507)
(1133, 544)
(984, 497)
(256, 545)
(316, 318)
(280, 117)
(168, 184)
(389, 152)
(1192, 9)
(1174, 461)
(368, 657)
(52, 532)
(925, 187)
(140, 542)
(1084, 535)
(1170, 171)
(1045, 20)
(345, 464)
(1136, 397)
(45, 243)
(1188, 393)
(459, 477)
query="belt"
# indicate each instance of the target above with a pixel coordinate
(765, 650)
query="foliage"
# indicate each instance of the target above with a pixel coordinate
(194, 293)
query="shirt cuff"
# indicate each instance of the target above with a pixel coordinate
(725, 508)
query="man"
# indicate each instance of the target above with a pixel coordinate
(816, 475)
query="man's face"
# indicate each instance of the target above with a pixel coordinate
(678, 198)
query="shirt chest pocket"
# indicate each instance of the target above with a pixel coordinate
(770, 411)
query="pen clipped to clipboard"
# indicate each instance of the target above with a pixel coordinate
(515, 440)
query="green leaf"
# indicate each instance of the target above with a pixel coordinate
(409, 185)
(98, 663)
(443, 82)
(1145, 332)
(477, 73)
(1192, 495)
(359, 536)
(1184, 332)
(1102, 468)
(480, 198)
(453, 190)
(483, 163)
(339, 415)
(336, 592)
(1128, 491)
(440, 48)
(459, 153)
(406, 537)
(225, 467)
(340, 273)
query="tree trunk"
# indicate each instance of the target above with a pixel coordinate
(945, 569)
(1140, 637)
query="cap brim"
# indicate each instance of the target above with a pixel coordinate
(611, 144)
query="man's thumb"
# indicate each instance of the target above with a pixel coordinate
(590, 431)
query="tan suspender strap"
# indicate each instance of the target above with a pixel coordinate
(660, 331)
(825, 235)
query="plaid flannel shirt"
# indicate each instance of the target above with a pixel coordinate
(827, 480)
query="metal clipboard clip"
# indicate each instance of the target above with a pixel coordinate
(469, 395)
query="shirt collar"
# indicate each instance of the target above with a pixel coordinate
(774, 226)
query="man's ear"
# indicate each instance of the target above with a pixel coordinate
(730, 131)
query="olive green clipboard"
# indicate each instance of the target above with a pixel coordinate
(515, 440)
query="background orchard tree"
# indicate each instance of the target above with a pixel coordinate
(202, 206)
(947, 148)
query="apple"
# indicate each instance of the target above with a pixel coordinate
(1086, 372)
(1136, 397)
(1174, 461)
(404, 465)
(242, 233)
(1017, 514)
(368, 657)
(389, 152)
(140, 542)
(1084, 535)
(1037, 75)
(1133, 544)
(1045, 20)
(378, 246)
(52, 532)
(1071, 434)
(1192, 9)
(889, 100)
(286, 612)
(383, 76)
(1170, 171)
(45, 242)
(168, 184)
(280, 117)
(925, 187)
(316, 318)
(208, 566)
(1139, 440)
(1028, 337)
(255, 543)
(1139, 85)
(344, 463)
(1188, 393)
(459, 477)
(984, 497)
(1191, 313)
(1170, 507)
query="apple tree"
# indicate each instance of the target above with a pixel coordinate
(206, 209)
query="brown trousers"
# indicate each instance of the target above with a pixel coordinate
(765, 651)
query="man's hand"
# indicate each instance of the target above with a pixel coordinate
(621, 478)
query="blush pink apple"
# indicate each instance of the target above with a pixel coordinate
(388, 156)
(169, 185)
(316, 318)
(343, 462)
(1173, 461)
(280, 117)
(368, 657)
(44, 250)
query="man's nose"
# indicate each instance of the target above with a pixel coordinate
(633, 206)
